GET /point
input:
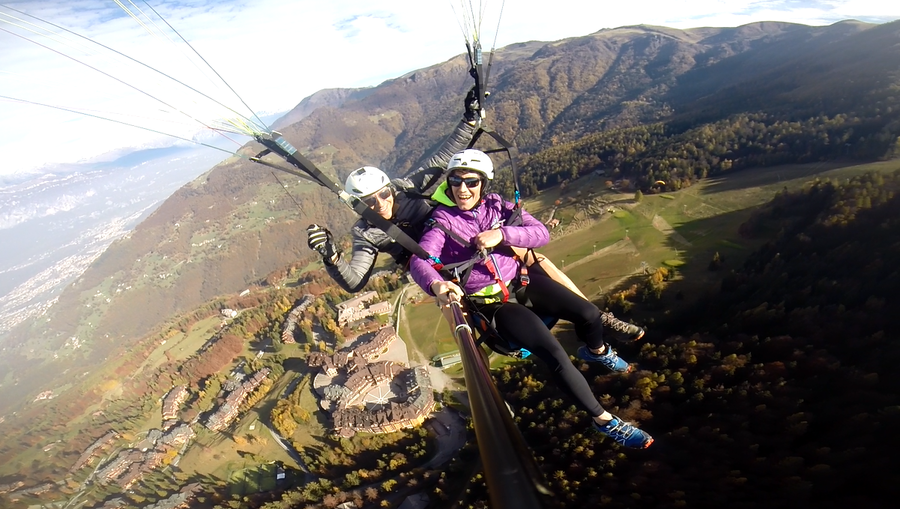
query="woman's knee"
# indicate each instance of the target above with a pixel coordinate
(587, 312)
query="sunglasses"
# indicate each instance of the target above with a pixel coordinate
(470, 182)
(372, 200)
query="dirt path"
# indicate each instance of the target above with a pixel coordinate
(622, 246)
(439, 379)
(662, 225)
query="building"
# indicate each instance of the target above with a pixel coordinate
(373, 349)
(6, 488)
(118, 465)
(448, 359)
(417, 501)
(364, 373)
(355, 309)
(418, 405)
(380, 308)
(226, 413)
(178, 436)
(172, 402)
(44, 395)
(359, 301)
(366, 379)
(293, 318)
(89, 453)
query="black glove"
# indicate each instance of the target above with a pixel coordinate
(320, 239)
(473, 108)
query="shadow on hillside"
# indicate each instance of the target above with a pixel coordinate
(770, 176)
(694, 282)
(295, 364)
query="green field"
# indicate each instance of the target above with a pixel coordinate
(310, 433)
(427, 331)
(246, 441)
(704, 219)
(252, 479)
(181, 346)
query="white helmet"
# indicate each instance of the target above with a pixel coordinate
(365, 181)
(474, 160)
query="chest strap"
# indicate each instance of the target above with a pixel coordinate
(462, 270)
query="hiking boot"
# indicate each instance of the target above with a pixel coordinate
(624, 433)
(633, 332)
(608, 358)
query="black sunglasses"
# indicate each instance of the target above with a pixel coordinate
(372, 200)
(470, 182)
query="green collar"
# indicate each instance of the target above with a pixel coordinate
(440, 195)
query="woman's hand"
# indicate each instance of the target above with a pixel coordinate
(445, 292)
(488, 239)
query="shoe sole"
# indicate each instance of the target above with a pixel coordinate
(638, 336)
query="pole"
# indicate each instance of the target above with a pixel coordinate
(513, 478)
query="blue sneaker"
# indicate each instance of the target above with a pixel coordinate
(624, 433)
(608, 358)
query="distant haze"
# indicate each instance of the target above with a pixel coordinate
(53, 226)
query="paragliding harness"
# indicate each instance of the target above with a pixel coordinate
(513, 291)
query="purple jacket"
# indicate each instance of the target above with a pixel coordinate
(491, 211)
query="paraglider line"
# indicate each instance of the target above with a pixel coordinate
(249, 132)
(114, 78)
(70, 110)
(261, 123)
(288, 193)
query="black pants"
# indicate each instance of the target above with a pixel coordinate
(522, 326)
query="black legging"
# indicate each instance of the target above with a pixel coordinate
(523, 326)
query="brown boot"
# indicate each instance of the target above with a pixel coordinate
(633, 332)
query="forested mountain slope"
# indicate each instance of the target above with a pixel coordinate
(782, 392)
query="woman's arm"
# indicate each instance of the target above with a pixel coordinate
(531, 233)
(422, 272)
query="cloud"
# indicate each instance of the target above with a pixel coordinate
(276, 52)
(17, 212)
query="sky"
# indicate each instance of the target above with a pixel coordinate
(272, 54)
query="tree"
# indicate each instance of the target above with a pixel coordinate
(638, 196)
(716, 262)
(351, 480)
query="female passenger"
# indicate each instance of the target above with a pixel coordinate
(468, 221)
